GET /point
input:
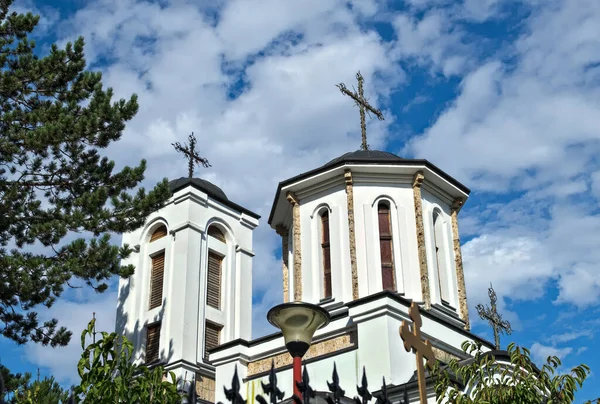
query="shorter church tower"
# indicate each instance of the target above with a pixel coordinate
(192, 259)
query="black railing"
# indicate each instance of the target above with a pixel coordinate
(336, 394)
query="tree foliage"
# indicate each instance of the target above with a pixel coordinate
(9, 382)
(54, 183)
(46, 391)
(488, 381)
(109, 376)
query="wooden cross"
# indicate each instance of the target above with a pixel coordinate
(494, 318)
(413, 340)
(189, 152)
(363, 104)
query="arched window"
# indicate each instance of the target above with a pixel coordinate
(157, 269)
(385, 246)
(440, 256)
(159, 233)
(215, 232)
(326, 254)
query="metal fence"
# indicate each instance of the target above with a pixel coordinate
(335, 395)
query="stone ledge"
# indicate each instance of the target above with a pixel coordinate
(322, 348)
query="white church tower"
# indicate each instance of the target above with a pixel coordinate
(363, 236)
(191, 290)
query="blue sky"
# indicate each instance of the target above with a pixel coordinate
(503, 95)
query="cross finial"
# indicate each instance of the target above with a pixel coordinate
(494, 318)
(189, 152)
(413, 340)
(363, 104)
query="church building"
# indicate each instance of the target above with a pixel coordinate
(363, 236)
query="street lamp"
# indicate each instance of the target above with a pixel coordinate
(298, 322)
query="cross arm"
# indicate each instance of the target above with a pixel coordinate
(411, 341)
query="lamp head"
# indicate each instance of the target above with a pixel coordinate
(298, 322)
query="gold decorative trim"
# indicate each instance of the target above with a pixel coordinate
(291, 197)
(417, 182)
(460, 274)
(442, 355)
(352, 237)
(316, 350)
(205, 388)
(284, 233)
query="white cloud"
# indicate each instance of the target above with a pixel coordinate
(530, 125)
(539, 353)
(570, 336)
(75, 315)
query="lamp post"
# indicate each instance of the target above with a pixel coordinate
(298, 322)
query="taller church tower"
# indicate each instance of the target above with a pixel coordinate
(370, 221)
(190, 290)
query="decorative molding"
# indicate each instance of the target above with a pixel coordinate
(351, 235)
(205, 388)
(311, 189)
(317, 350)
(417, 182)
(293, 200)
(185, 225)
(460, 275)
(239, 248)
(284, 233)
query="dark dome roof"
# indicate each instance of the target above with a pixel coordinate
(364, 156)
(208, 187)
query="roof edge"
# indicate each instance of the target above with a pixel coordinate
(225, 201)
(409, 162)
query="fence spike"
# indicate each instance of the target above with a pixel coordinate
(275, 394)
(405, 396)
(335, 387)
(383, 398)
(233, 394)
(363, 390)
(305, 388)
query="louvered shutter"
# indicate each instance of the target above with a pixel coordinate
(326, 249)
(213, 292)
(212, 336)
(156, 280)
(158, 233)
(152, 342)
(215, 232)
(385, 247)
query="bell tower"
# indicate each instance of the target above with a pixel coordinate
(192, 287)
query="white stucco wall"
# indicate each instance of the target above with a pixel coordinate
(379, 349)
(369, 188)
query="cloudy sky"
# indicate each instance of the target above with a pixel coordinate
(503, 95)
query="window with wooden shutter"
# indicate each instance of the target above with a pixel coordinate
(152, 342)
(213, 292)
(326, 253)
(212, 337)
(215, 232)
(156, 280)
(158, 233)
(385, 246)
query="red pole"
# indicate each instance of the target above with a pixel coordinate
(297, 374)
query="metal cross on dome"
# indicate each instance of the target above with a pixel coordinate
(363, 104)
(493, 317)
(413, 340)
(189, 152)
